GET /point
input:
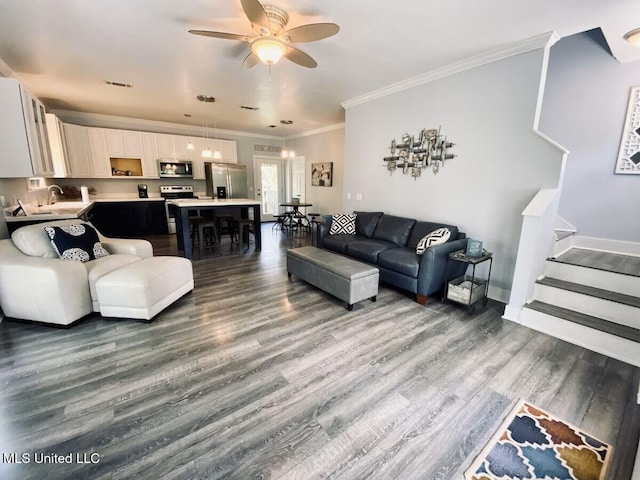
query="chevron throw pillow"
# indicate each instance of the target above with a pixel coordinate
(343, 224)
(440, 235)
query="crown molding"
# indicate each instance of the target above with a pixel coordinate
(126, 123)
(328, 128)
(515, 48)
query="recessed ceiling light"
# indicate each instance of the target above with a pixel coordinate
(118, 84)
(245, 107)
(188, 115)
(206, 98)
(271, 126)
(286, 122)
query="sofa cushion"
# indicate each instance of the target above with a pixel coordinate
(338, 243)
(343, 224)
(421, 229)
(32, 240)
(96, 269)
(366, 223)
(78, 242)
(402, 260)
(394, 229)
(368, 250)
(440, 235)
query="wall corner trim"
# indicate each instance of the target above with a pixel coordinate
(522, 46)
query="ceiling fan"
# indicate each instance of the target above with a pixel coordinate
(272, 41)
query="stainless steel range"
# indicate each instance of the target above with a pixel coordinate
(171, 192)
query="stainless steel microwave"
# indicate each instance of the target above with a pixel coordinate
(173, 169)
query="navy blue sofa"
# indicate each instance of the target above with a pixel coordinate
(389, 242)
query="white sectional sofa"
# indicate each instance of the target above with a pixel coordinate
(37, 285)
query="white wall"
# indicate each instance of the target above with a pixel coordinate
(489, 113)
(323, 147)
(584, 108)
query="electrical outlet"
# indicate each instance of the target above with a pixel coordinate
(3, 201)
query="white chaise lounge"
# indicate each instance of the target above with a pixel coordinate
(37, 285)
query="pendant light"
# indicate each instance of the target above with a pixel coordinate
(206, 150)
(216, 153)
(286, 153)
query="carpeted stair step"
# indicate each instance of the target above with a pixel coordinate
(596, 323)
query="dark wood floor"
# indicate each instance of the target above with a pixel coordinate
(257, 376)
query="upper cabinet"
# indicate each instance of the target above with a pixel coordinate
(123, 143)
(24, 144)
(58, 144)
(77, 138)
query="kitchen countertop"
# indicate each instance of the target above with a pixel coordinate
(214, 202)
(69, 210)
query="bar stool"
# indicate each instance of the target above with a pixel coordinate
(207, 231)
(244, 224)
(227, 226)
(279, 223)
(194, 232)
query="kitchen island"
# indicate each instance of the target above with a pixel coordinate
(181, 207)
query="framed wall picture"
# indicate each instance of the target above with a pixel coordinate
(322, 174)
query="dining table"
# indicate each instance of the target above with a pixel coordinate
(295, 219)
(182, 206)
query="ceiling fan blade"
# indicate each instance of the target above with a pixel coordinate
(311, 32)
(251, 61)
(299, 57)
(256, 14)
(226, 36)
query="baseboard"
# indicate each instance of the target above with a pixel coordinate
(512, 313)
(607, 245)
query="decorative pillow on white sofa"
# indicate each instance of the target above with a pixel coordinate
(440, 235)
(343, 223)
(33, 241)
(76, 242)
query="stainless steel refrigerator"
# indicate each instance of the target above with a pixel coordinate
(226, 180)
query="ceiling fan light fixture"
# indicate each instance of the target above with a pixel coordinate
(268, 49)
(633, 37)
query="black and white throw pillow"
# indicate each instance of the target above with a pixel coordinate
(343, 223)
(78, 242)
(440, 235)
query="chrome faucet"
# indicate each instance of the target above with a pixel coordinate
(51, 195)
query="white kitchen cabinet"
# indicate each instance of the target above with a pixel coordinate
(229, 151)
(100, 166)
(58, 144)
(24, 149)
(123, 143)
(149, 155)
(44, 166)
(79, 151)
(164, 145)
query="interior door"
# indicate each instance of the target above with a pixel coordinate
(297, 181)
(268, 179)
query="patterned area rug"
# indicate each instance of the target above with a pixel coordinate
(533, 444)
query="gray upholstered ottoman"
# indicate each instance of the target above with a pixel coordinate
(342, 277)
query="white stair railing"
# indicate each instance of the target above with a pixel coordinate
(536, 245)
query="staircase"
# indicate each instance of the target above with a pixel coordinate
(591, 299)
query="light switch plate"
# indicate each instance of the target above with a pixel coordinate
(358, 196)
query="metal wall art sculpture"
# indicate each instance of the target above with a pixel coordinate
(430, 149)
